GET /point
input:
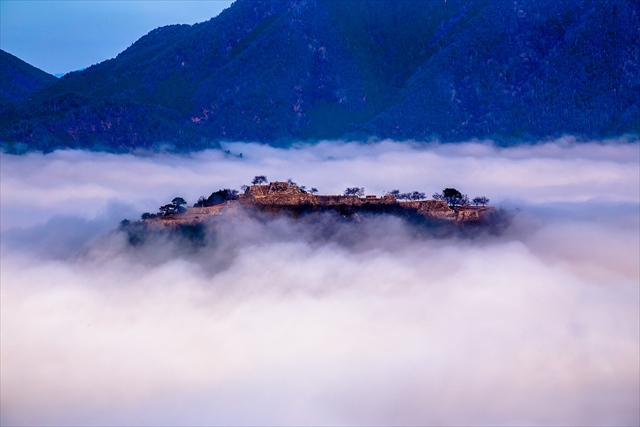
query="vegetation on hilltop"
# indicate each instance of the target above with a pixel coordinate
(452, 196)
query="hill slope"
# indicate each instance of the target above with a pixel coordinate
(18, 80)
(276, 71)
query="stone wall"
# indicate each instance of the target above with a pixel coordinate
(273, 189)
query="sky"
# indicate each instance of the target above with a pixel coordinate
(283, 323)
(62, 36)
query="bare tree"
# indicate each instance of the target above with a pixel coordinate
(354, 191)
(416, 195)
(313, 190)
(480, 201)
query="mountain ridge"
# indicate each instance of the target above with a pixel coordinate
(282, 71)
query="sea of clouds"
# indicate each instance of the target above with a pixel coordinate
(269, 324)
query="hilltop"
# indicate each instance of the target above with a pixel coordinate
(283, 71)
(284, 198)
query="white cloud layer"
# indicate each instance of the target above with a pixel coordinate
(268, 325)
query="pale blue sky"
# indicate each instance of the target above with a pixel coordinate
(62, 36)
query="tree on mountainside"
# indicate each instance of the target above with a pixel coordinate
(354, 191)
(217, 198)
(480, 201)
(178, 203)
(173, 208)
(416, 195)
(453, 197)
(259, 179)
(412, 196)
(167, 210)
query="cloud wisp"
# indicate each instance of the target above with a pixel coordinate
(270, 324)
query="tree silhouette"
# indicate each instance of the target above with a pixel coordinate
(167, 210)
(178, 203)
(453, 197)
(259, 179)
(354, 191)
(481, 200)
(416, 195)
(217, 197)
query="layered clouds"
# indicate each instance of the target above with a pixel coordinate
(270, 324)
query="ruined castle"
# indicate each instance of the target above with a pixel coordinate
(277, 197)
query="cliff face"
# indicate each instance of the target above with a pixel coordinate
(283, 198)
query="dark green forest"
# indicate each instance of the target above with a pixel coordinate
(283, 71)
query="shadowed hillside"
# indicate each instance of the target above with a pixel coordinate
(18, 80)
(277, 71)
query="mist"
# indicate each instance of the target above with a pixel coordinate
(287, 322)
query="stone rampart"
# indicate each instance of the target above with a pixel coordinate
(273, 189)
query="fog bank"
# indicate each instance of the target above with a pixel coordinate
(267, 324)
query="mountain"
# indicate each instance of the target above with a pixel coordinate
(279, 71)
(19, 80)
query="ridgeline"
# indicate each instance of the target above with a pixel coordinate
(283, 71)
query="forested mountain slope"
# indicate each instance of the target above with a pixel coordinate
(277, 71)
(18, 80)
